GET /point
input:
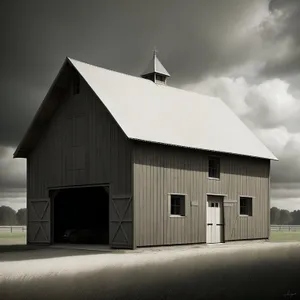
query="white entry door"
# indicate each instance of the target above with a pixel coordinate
(214, 220)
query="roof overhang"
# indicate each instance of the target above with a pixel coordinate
(271, 158)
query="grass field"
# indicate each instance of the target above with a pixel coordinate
(14, 238)
(19, 238)
(14, 235)
(285, 236)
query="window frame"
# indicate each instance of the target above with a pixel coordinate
(247, 206)
(160, 78)
(184, 205)
(214, 157)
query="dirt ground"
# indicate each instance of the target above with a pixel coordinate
(249, 270)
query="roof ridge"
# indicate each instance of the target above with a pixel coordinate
(107, 69)
(145, 80)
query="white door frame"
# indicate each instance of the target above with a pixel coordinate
(215, 219)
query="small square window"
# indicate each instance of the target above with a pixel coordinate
(159, 77)
(246, 206)
(214, 167)
(178, 205)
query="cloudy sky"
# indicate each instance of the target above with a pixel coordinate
(246, 52)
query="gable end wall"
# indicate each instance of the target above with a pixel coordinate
(83, 145)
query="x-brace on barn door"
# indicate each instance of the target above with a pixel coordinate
(38, 221)
(121, 227)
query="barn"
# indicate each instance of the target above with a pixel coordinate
(141, 163)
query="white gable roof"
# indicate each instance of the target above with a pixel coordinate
(162, 114)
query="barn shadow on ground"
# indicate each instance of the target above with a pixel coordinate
(28, 252)
(244, 274)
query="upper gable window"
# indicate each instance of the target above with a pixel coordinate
(76, 85)
(160, 77)
(214, 167)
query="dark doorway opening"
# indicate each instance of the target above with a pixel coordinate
(81, 215)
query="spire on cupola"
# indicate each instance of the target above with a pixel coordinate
(156, 71)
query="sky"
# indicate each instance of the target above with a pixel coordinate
(245, 52)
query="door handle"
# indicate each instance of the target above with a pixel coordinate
(209, 223)
(220, 224)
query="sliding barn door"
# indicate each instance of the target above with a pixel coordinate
(121, 225)
(38, 226)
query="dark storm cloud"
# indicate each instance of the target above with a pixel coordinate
(290, 28)
(12, 172)
(194, 38)
(11, 183)
(287, 5)
(285, 171)
(287, 66)
(284, 193)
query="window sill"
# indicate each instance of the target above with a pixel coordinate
(177, 216)
(245, 216)
(213, 178)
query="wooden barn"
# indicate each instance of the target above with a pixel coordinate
(135, 162)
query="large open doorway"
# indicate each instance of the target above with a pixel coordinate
(80, 215)
(215, 220)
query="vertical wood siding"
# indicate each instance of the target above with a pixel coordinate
(82, 145)
(159, 170)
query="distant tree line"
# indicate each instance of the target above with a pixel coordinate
(284, 217)
(10, 217)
